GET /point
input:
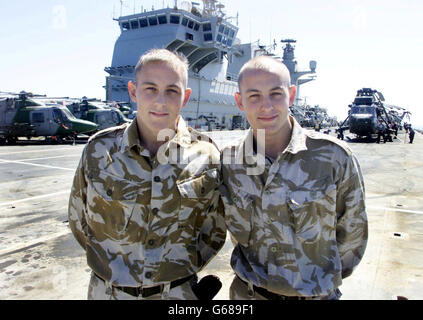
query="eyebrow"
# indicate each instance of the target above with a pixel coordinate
(153, 84)
(275, 88)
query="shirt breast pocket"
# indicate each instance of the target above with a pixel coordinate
(197, 195)
(239, 210)
(313, 213)
(110, 204)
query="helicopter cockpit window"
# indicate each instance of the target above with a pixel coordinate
(363, 101)
(363, 110)
(38, 117)
(101, 118)
(115, 117)
(67, 115)
(57, 116)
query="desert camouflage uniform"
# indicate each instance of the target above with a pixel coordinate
(144, 222)
(301, 225)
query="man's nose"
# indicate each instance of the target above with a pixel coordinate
(267, 102)
(160, 99)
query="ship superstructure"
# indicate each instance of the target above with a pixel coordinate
(207, 37)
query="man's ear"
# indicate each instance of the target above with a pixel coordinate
(132, 90)
(238, 100)
(188, 92)
(292, 93)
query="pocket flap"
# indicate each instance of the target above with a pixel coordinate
(199, 187)
(112, 188)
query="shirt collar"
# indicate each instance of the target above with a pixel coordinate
(296, 144)
(131, 137)
(298, 138)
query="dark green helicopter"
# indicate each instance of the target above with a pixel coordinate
(23, 116)
(103, 114)
(366, 113)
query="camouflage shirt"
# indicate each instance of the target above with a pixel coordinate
(141, 220)
(301, 225)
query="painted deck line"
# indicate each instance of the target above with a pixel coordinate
(34, 198)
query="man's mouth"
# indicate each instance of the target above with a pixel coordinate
(159, 114)
(268, 118)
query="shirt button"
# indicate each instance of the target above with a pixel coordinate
(148, 275)
(203, 190)
(273, 249)
(155, 210)
(267, 192)
(151, 242)
(109, 192)
(157, 179)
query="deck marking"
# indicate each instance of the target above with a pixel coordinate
(33, 198)
(29, 151)
(30, 243)
(395, 209)
(46, 158)
(35, 164)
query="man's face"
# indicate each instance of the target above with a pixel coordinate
(160, 94)
(265, 98)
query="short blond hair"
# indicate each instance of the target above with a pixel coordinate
(265, 63)
(174, 59)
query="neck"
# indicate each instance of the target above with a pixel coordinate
(276, 142)
(150, 141)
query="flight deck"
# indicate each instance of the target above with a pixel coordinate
(41, 260)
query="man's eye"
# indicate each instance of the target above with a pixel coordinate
(254, 96)
(151, 89)
(172, 91)
(276, 94)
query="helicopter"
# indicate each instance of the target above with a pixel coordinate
(103, 114)
(22, 116)
(367, 111)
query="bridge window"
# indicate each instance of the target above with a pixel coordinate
(221, 28)
(125, 25)
(232, 33)
(189, 36)
(230, 43)
(224, 41)
(190, 24)
(152, 21)
(226, 31)
(162, 19)
(208, 37)
(175, 19)
(207, 27)
(219, 38)
(184, 21)
(196, 27)
(143, 23)
(134, 24)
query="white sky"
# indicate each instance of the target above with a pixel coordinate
(60, 48)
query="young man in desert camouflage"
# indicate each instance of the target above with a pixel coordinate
(144, 203)
(294, 198)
